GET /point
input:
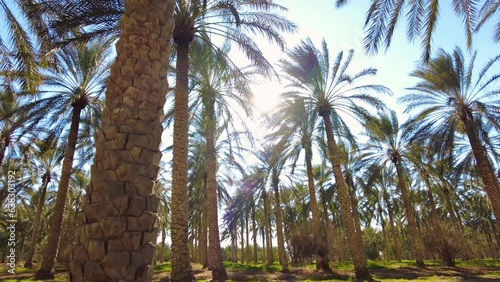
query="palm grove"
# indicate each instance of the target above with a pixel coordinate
(84, 134)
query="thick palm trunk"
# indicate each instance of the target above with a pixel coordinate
(486, 172)
(37, 220)
(416, 238)
(322, 261)
(117, 237)
(234, 245)
(242, 241)
(203, 248)
(279, 224)
(215, 253)
(354, 238)
(267, 227)
(181, 267)
(45, 271)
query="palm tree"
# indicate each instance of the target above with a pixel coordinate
(387, 146)
(77, 85)
(421, 21)
(49, 159)
(270, 167)
(120, 203)
(449, 102)
(193, 18)
(217, 83)
(296, 128)
(330, 92)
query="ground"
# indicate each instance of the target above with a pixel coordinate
(476, 270)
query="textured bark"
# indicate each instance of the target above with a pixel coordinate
(117, 237)
(486, 172)
(45, 271)
(279, 224)
(37, 220)
(267, 227)
(322, 260)
(354, 238)
(247, 238)
(215, 262)
(416, 237)
(203, 248)
(181, 267)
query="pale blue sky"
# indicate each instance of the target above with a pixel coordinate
(343, 30)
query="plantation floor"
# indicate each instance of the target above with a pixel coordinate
(477, 270)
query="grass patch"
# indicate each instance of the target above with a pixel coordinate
(164, 267)
(479, 263)
(252, 267)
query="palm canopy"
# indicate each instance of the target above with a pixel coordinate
(234, 20)
(421, 21)
(447, 98)
(329, 89)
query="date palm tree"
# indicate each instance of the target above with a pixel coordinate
(217, 82)
(49, 157)
(330, 92)
(448, 101)
(297, 128)
(421, 21)
(193, 18)
(388, 147)
(72, 97)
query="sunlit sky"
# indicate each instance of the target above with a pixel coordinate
(343, 30)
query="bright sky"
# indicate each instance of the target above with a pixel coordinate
(343, 30)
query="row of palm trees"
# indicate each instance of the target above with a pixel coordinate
(320, 89)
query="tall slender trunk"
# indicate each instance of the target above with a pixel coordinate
(416, 238)
(394, 234)
(322, 260)
(234, 245)
(37, 220)
(247, 248)
(3, 148)
(264, 247)
(215, 253)
(486, 172)
(354, 238)
(204, 226)
(267, 226)
(384, 233)
(254, 232)
(45, 271)
(279, 223)
(117, 237)
(181, 267)
(242, 241)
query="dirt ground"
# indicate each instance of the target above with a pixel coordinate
(401, 274)
(405, 274)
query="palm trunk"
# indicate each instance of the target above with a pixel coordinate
(37, 220)
(215, 253)
(234, 245)
(394, 234)
(416, 238)
(279, 224)
(45, 271)
(3, 149)
(322, 260)
(486, 172)
(117, 237)
(354, 238)
(181, 267)
(264, 247)
(242, 241)
(254, 232)
(247, 237)
(384, 232)
(269, 247)
(204, 228)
